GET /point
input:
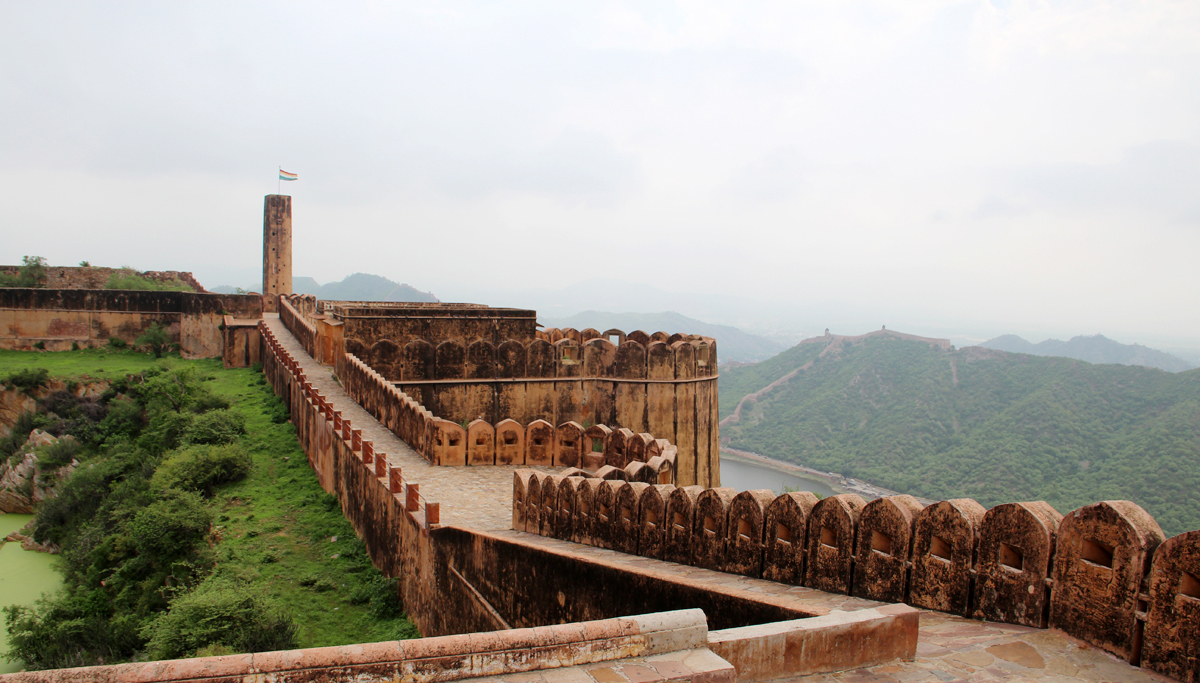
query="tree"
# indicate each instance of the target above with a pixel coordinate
(155, 337)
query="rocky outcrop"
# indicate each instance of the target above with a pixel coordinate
(22, 487)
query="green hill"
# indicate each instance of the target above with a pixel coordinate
(1094, 349)
(994, 426)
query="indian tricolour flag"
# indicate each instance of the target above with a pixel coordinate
(284, 175)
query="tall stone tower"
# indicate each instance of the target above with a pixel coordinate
(277, 249)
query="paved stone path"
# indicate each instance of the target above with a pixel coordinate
(475, 497)
(949, 648)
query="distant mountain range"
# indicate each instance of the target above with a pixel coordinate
(940, 423)
(356, 287)
(1094, 349)
(732, 343)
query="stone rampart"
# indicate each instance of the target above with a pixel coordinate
(61, 318)
(458, 580)
(1102, 574)
(597, 450)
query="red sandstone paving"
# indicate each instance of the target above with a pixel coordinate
(950, 648)
(475, 497)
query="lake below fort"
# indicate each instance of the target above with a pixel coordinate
(744, 475)
(24, 576)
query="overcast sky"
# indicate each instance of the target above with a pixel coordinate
(996, 166)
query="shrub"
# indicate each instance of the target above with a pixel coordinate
(219, 613)
(166, 432)
(169, 528)
(200, 468)
(207, 402)
(58, 454)
(128, 278)
(117, 343)
(154, 337)
(217, 427)
(31, 274)
(26, 423)
(28, 380)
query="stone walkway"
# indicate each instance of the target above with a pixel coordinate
(475, 497)
(949, 648)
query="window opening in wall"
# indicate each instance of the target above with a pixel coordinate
(652, 519)
(517, 500)
(565, 505)
(538, 441)
(829, 537)
(481, 440)
(679, 522)
(881, 543)
(1189, 585)
(939, 548)
(783, 534)
(568, 443)
(570, 355)
(604, 512)
(615, 340)
(597, 446)
(1012, 557)
(744, 530)
(702, 355)
(583, 507)
(1096, 553)
(626, 514)
(710, 526)
(454, 439)
(510, 438)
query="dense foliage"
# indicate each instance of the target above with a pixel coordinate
(32, 273)
(128, 278)
(977, 423)
(190, 527)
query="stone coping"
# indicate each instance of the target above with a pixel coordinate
(426, 660)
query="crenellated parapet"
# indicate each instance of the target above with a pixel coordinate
(479, 368)
(1104, 573)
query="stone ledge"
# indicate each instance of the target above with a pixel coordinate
(833, 642)
(428, 660)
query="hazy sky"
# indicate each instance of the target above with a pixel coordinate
(1006, 166)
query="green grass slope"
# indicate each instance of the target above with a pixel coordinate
(989, 425)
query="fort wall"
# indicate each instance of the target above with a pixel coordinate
(458, 580)
(1104, 573)
(649, 384)
(61, 318)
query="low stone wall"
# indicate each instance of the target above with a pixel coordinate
(608, 453)
(1102, 573)
(62, 318)
(430, 660)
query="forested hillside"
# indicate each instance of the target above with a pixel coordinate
(979, 423)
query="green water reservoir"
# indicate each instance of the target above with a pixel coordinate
(24, 576)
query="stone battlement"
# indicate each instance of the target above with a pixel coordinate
(1104, 573)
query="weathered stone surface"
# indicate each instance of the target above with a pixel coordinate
(831, 528)
(627, 531)
(884, 535)
(681, 514)
(652, 518)
(23, 484)
(1172, 635)
(943, 555)
(1016, 548)
(1103, 553)
(786, 537)
(710, 527)
(745, 531)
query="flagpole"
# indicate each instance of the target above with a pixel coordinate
(279, 181)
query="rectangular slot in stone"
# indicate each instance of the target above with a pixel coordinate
(510, 438)
(1097, 553)
(652, 519)
(881, 543)
(680, 522)
(604, 512)
(481, 440)
(597, 446)
(627, 514)
(744, 529)
(939, 548)
(829, 536)
(710, 526)
(1012, 558)
(783, 534)
(1189, 585)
